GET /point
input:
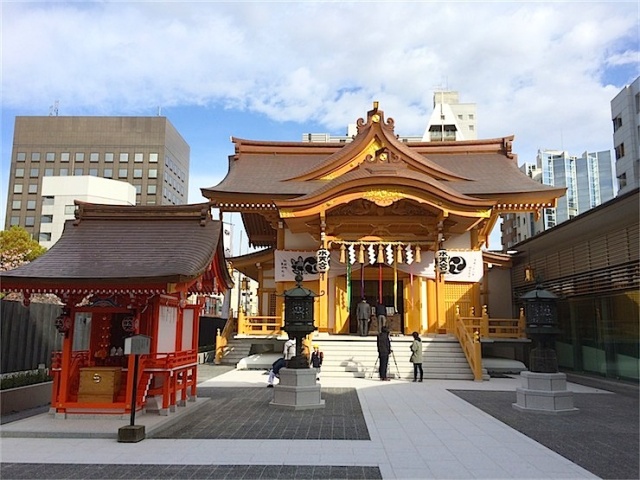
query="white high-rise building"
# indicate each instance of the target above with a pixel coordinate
(589, 180)
(625, 115)
(450, 120)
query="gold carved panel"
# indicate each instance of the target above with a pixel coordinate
(383, 198)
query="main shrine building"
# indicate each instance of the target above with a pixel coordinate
(399, 223)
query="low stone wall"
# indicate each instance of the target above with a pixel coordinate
(23, 398)
(206, 357)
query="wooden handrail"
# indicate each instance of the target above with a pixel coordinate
(260, 325)
(470, 343)
(222, 339)
(495, 327)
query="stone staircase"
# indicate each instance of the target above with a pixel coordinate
(357, 357)
(236, 350)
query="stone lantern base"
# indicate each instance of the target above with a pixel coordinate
(297, 390)
(544, 393)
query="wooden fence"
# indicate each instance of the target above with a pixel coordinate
(28, 335)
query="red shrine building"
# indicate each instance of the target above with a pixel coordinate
(120, 272)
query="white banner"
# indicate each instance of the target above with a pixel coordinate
(464, 266)
(286, 261)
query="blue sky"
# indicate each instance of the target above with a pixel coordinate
(542, 71)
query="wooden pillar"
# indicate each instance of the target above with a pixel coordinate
(280, 285)
(323, 303)
(432, 309)
(65, 363)
(260, 307)
(322, 313)
(440, 303)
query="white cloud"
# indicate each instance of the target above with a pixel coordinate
(290, 59)
(539, 70)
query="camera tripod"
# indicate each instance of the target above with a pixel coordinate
(394, 362)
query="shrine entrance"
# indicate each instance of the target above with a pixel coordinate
(391, 294)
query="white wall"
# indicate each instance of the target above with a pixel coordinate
(65, 190)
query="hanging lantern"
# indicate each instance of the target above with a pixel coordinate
(323, 256)
(342, 253)
(529, 274)
(361, 254)
(442, 261)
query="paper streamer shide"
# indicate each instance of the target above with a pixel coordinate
(464, 265)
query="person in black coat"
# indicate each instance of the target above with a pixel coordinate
(381, 313)
(384, 350)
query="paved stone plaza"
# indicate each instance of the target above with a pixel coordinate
(368, 430)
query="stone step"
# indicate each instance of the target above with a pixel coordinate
(403, 375)
(356, 357)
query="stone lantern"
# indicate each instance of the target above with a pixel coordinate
(298, 318)
(544, 388)
(541, 312)
(298, 389)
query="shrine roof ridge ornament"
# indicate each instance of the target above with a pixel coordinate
(375, 144)
(375, 115)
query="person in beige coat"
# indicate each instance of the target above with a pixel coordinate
(416, 356)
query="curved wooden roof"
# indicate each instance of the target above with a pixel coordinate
(277, 180)
(109, 248)
(262, 171)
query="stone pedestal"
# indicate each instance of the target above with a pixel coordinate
(297, 390)
(544, 393)
(131, 433)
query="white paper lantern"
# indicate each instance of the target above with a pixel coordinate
(323, 257)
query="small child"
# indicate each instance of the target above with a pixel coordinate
(316, 360)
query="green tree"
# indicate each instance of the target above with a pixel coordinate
(17, 248)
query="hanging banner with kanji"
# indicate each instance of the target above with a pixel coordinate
(286, 262)
(464, 265)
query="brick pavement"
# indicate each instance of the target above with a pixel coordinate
(31, 471)
(603, 437)
(244, 413)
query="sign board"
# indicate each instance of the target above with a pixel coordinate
(137, 345)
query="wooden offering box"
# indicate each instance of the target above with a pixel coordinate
(99, 384)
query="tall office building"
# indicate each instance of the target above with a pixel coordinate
(625, 115)
(589, 180)
(147, 152)
(450, 120)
